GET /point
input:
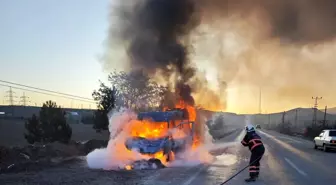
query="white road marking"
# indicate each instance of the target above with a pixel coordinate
(288, 146)
(295, 167)
(192, 178)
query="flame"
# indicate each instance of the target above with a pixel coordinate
(148, 129)
(128, 167)
(153, 130)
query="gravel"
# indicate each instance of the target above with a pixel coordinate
(75, 173)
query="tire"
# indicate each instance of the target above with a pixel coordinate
(325, 148)
(315, 146)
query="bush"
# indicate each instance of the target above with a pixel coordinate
(100, 121)
(34, 130)
(51, 125)
(312, 132)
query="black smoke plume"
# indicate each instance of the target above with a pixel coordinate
(155, 32)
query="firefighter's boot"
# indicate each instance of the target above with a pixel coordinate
(251, 179)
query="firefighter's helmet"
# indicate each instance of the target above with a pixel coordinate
(249, 128)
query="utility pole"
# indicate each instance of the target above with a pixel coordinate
(259, 100)
(296, 117)
(24, 100)
(11, 96)
(283, 117)
(325, 117)
(315, 110)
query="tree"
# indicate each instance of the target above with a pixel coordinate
(34, 130)
(106, 100)
(51, 125)
(137, 90)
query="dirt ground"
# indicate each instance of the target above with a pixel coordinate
(73, 173)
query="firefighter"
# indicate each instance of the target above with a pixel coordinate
(253, 141)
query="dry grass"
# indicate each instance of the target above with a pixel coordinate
(12, 133)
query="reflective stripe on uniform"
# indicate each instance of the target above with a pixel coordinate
(254, 167)
(253, 140)
(251, 171)
(255, 145)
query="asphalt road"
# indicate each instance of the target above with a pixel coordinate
(287, 161)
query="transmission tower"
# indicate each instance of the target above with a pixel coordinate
(315, 109)
(11, 98)
(24, 100)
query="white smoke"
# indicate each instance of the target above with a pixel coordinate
(118, 120)
(117, 156)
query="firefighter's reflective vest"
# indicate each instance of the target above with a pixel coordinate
(252, 140)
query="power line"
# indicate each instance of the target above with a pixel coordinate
(92, 101)
(40, 89)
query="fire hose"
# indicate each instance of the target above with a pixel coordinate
(233, 176)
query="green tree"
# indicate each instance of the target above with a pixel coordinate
(51, 125)
(106, 99)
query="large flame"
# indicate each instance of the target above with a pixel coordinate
(153, 130)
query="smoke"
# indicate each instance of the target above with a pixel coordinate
(257, 44)
(117, 156)
(155, 36)
(302, 21)
(284, 46)
(154, 33)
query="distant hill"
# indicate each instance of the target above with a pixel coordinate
(330, 110)
(304, 118)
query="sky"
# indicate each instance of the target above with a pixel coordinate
(53, 45)
(56, 45)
